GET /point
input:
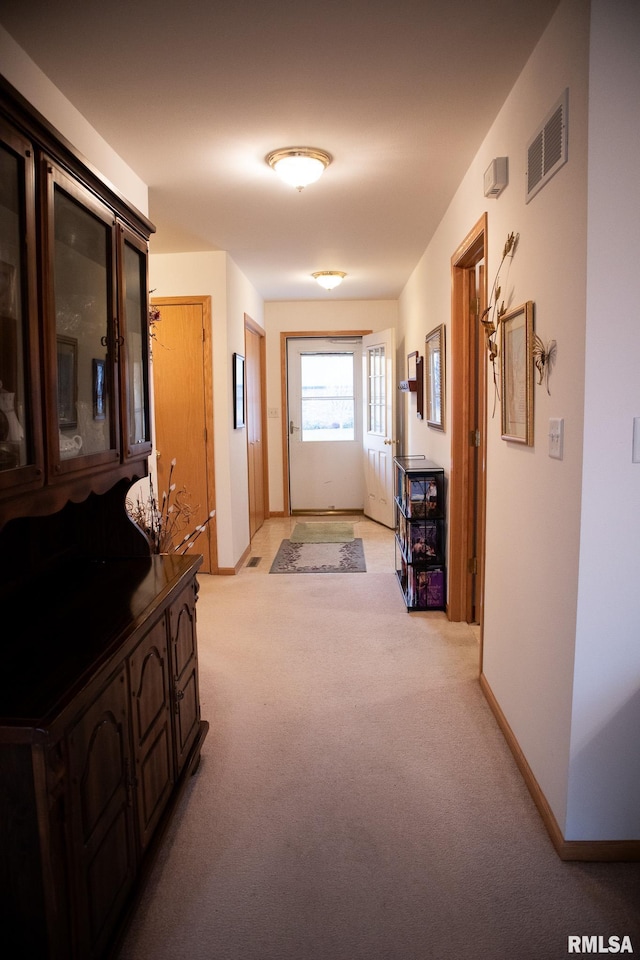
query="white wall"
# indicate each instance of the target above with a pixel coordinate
(604, 790)
(533, 502)
(31, 82)
(309, 315)
(214, 274)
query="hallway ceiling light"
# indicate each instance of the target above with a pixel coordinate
(329, 278)
(299, 166)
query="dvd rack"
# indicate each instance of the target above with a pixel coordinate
(420, 533)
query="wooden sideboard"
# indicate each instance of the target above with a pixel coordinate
(100, 729)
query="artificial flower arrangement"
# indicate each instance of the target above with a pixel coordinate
(167, 524)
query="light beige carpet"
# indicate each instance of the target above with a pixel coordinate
(336, 531)
(356, 800)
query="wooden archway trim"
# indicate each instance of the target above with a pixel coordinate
(290, 335)
(468, 383)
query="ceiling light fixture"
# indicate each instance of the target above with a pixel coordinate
(299, 166)
(329, 278)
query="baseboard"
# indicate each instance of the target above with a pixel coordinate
(232, 571)
(586, 850)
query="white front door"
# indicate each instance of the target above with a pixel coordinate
(324, 389)
(379, 416)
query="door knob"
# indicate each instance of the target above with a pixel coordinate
(390, 442)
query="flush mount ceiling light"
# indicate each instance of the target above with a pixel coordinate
(329, 278)
(299, 166)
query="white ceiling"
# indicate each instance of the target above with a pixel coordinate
(193, 95)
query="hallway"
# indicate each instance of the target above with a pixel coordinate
(355, 799)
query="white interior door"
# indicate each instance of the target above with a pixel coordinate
(324, 389)
(379, 416)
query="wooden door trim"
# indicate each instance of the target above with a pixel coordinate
(291, 335)
(471, 250)
(250, 324)
(205, 303)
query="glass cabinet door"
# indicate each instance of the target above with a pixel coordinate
(20, 457)
(83, 412)
(134, 332)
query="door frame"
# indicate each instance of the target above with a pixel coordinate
(255, 328)
(207, 361)
(284, 391)
(467, 513)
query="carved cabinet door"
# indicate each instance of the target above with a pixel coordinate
(152, 733)
(101, 798)
(184, 656)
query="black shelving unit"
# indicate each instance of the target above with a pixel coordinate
(420, 533)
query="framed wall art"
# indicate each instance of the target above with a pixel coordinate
(435, 376)
(238, 391)
(516, 374)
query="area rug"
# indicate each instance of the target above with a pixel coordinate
(320, 558)
(335, 531)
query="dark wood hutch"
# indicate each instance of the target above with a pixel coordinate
(99, 707)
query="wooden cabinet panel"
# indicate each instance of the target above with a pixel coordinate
(182, 620)
(151, 724)
(101, 813)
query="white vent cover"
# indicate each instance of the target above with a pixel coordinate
(547, 149)
(496, 177)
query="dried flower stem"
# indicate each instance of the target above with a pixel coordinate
(164, 523)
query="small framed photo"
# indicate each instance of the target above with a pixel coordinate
(238, 391)
(435, 376)
(99, 390)
(516, 374)
(67, 381)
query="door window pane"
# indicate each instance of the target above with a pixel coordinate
(328, 400)
(13, 442)
(376, 403)
(137, 344)
(82, 278)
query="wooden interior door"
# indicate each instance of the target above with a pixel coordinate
(256, 426)
(183, 406)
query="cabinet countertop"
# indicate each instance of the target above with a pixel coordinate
(71, 620)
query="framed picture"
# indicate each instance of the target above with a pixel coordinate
(435, 376)
(238, 391)
(67, 381)
(516, 374)
(99, 390)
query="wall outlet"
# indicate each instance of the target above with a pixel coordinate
(273, 413)
(556, 437)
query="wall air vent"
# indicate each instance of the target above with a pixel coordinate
(547, 149)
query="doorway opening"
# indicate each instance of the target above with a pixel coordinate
(256, 424)
(183, 410)
(324, 399)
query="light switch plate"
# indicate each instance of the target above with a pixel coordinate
(556, 437)
(635, 451)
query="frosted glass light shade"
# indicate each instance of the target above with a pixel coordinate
(329, 278)
(299, 166)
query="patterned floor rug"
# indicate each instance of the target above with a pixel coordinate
(320, 558)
